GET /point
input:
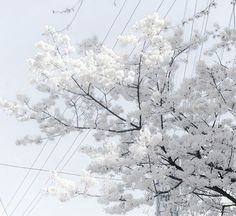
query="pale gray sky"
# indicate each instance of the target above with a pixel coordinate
(22, 23)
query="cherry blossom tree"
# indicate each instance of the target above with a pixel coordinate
(157, 140)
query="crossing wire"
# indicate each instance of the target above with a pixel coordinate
(117, 40)
(34, 162)
(174, 2)
(25, 177)
(37, 157)
(35, 177)
(4, 208)
(112, 48)
(64, 156)
(39, 193)
(27, 174)
(58, 164)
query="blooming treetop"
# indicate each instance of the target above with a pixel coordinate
(162, 140)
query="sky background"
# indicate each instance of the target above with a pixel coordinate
(22, 23)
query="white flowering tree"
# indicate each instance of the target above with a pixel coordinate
(163, 140)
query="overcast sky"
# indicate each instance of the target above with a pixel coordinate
(22, 23)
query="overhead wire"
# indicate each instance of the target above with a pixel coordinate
(123, 32)
(76, 150)
(170, 8)
(67, 152)
(31, 168)
(159, 6)
(34, 162)
(232, 16)
(35, 177)
(61, 170)
(202, 33)
(49, 170)
(39, 193)
(191, 35)
(34, 204)
(114, 21)
(157, 10)
(27, 174)
(183, 18)
(58, 164)
(38, 198)
(25, 177)
(127, 23)
(185, 10)
(3, 207)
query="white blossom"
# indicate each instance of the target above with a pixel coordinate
(153, 139)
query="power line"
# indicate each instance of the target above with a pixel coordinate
(113, 23)
(203, 31)
(48, 171)
(205, 28)
(27, 174)
(108, 33)
(157, 10)
(25, 177)
(170, 8)
(230, 20)
(159, 6)
(127, 23)
(4, 208)
(183, 18)
(232, 16)
(37, 157)
(37, 198)
(75, 151)
(117, 41)
(35, 179)
(58, 164)
(67, 152)
(185, 9)
(38, 194)
(36, 176)
(191, 35)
